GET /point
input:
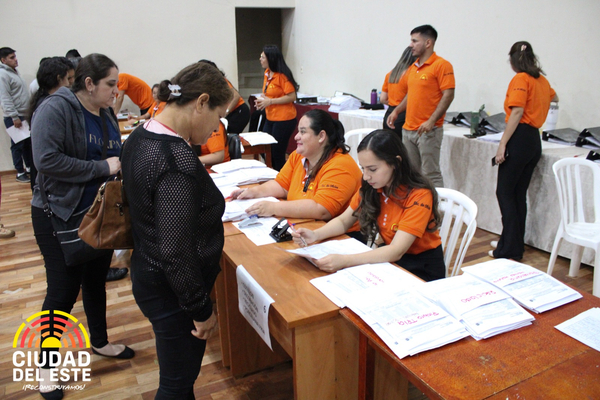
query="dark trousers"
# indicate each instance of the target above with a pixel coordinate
(238, 119)
(65, 282)
(524, 150)
(428, 265)
(179, 353)
(398, 123)
(20, 151)
(281, 131)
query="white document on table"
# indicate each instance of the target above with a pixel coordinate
(344, 246)
(19, 134)
(234, 165)
(227, 190)
(256, 138)
(530, 287)
(585, 327)
(353, 279)
(235, 210)
(254, 303)
(259, 233)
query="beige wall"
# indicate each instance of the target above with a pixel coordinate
(329, 44)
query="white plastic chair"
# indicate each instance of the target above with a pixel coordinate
(353, 139)
(575, 227)
(457, 210)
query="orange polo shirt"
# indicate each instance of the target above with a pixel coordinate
(533, 95)
(217, 142)
(240, 101)
(278, 86)
(393, 91)
(424, 86)
(333, 187)
(413, 219)
(157, 108)
(138, 91)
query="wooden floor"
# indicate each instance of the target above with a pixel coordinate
(23, 287)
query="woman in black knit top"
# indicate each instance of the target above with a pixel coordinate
(176, 214)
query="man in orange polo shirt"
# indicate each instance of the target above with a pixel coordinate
(428, 89)
(138, 91)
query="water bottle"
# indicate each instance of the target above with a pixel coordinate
(374, 96)
(552, 117)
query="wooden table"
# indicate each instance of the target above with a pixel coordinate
(534, 362)
(304, 325)
(257, 151)
(122, 124)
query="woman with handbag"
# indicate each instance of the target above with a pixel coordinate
(75, 147)
(176, 212)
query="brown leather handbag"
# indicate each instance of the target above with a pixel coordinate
(107, 224)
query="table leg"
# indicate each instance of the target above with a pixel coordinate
(326, 360)
(366, 368)
(222, 316)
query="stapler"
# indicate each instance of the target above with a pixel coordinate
(251, 220)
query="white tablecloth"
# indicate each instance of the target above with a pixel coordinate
(466, 167)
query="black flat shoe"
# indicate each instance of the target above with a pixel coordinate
(114, 274)
(124, 355)
(56, 394)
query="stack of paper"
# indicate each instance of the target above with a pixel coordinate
(244, 177)
(235, 210)
(484, 309)
(256, 138)
(406, 321)
(235, 165)
(241, 172)
(342, 103)
(530, 287)
(349, 280)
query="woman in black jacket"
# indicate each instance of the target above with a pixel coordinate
(176, 212)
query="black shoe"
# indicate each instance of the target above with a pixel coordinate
(124, 355)
(114, 274)
(23, 178)
(56, 394)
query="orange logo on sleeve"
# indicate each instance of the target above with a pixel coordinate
(394, 228)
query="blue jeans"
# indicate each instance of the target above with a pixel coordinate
(179, 352)
(20, 151)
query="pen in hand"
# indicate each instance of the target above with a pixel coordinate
(292, 227)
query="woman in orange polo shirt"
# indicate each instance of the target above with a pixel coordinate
(279, 94)
(396, 202)
(215, 151)
(526, 105)
(318, 179)
(153, 111)
(391, 93)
